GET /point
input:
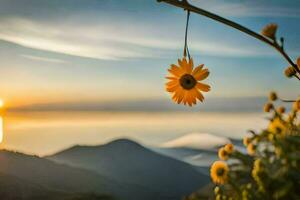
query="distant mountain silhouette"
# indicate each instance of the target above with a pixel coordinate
(130, 163)
(42, 173)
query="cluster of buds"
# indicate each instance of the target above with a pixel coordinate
(269, 31)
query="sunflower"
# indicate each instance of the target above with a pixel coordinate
(184, 82)
(219, 172)
(223, 154)
(229, 148)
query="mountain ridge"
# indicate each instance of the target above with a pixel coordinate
(130, 162)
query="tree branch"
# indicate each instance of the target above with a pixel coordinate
(185, 5)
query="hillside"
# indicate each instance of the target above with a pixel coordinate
(14, 188)
(130, 163)
(40, 172)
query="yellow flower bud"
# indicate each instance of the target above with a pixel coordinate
(290, 72)
(278, 151)
(268, 107)
(270, 31)
(246, 141)
(273, 96)
(249, 186)
(217, 190)
(251, 148)
(229, 148)
(281, 110)
(296, 105)
(223, 154)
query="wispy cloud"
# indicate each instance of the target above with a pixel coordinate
(261, 8)
(104, 42)
(43, 59)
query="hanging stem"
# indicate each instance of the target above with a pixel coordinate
(185, 5)
(186, 50)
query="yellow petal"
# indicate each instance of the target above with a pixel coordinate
(202, 75)
(198, 69)
(172, 83)
(203, 87)
(172, 89)
(184, 65)
(189, 67)
(192, 99)
(184, 100)
(176, 71)
(180, 96)
(195, 94)
(200, 97)
(171, 78)
(179, 62)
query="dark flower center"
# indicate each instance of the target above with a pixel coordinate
(220, 172)
(187, 81)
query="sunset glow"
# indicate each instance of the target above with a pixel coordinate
(1, 129)
(1, 103)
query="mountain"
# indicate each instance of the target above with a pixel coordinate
(42, 173)
(131, 163)
(14, 188)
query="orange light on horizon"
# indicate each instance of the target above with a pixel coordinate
(1, 103)
(1, 129)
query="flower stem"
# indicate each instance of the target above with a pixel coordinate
(185, 5)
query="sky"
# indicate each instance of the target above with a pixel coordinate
(97, 51)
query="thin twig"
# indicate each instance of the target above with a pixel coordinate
(185, 5)
(287, 101)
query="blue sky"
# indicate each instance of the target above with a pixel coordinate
(55, 51)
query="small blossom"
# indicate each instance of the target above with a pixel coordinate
(217, 190)
(296, 105)
(273, 96)
(277, 126)
(281, 110)
(270, 31)
(251, 149)
(185, 82)
(219, 172)
(246, 141)
(289, 72)
(268, 107)
(229, 148)
(223, 154)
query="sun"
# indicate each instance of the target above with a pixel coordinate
(1, 103)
